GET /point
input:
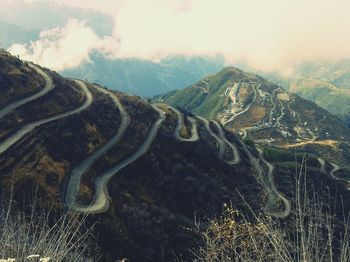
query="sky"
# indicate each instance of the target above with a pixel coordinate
(268, 35)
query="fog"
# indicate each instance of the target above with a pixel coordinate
(268, 35)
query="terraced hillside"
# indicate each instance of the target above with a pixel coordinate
(146, 172)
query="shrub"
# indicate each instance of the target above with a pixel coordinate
(312, 232)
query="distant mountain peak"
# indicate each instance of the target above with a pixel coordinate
(144, 169)
(259, 109)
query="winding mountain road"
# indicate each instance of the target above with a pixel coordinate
(279, 118)
(244, 133)
(236, 159)
(220, 142)
(322, 165)
(274, 194)
(331, 174)
(30, 127)
(335, 169)
(247, 107)
(74, 183)
(100, 202)
(272, 102)
(48, 87)
(181, 124)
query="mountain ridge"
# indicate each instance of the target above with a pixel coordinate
(159, 173)
(252, 106)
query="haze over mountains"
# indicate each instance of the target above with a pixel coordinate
(127, 113)
(131, 75)
(152, 78)
(324, 81)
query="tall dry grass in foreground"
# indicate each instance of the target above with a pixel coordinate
(63, 238)
(311, 233)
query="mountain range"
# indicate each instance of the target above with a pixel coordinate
(325, 82)
(144, 77)
(147, 172)
(130, 75)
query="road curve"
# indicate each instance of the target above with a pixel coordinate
(220, 142)
(194, 131)
(75, 177)
(273, 103)
(246, 109)
(322, 165)
(279, 118)
(244, 133)
(181, 124)
(331, 174)
(273, 190)
(48, 87)
(297, 115)
(236, 159)
(30, 127)
(100, 202)
(335, 169)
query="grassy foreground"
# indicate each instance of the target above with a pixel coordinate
(311, 233)
(37, 235)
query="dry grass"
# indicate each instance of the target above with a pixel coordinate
(22, 233)
(312, 233)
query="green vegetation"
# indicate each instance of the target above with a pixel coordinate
(335, 101)
(249, 142)
(206, 97)
(274, 154)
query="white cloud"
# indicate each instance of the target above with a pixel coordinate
(67, 47)
(269, 34)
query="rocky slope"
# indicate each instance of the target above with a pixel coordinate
(146, 172)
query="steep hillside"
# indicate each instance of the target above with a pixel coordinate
(146, 173)
(260, 110)
(325, 82)
(54, 137)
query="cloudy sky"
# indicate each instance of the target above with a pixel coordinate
(267, 34)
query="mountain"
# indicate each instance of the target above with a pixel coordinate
(130, 75)
(325, 82)
(263, 111)
(144, 77)
(144, 173)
